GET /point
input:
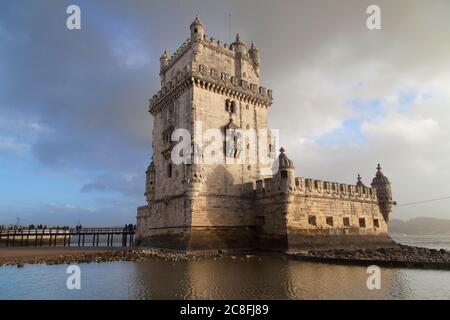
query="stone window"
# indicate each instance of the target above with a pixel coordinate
(227, 105)
(312, 220)
(213, 73)
(346, 221)
(376, 223)
(362, 222)
(202, 69)
(195, 30)
(233, 144)
(233, 107)
(284, 174)
(329, 221)
(249, 168)
(262, 91)
(224, 77)
(169, 170)
(261, 220)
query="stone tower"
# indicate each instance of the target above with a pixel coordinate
(205, 84)
(223, 194)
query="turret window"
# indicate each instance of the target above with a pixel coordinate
(312, 220)
(284, 174)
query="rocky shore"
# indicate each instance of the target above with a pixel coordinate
(398, 256)
(97, 257)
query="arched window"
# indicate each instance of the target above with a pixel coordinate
(227, 105)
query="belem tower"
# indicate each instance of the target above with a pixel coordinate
(235, 205)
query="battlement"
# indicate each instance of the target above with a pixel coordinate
(311, 187)
(185, 46)
(200, 61)
(209, 78)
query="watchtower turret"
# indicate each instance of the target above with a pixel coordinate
(150, 182)
(384, 194)
(239, 47)
(254, 56)
(197, 29)
(164, 60)
(286, 170)
(359, 182)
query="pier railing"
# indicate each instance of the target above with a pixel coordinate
(95, 237)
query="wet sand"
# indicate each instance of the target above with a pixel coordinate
(30, 253)
(62, 255)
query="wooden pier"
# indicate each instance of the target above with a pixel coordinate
(66, 237)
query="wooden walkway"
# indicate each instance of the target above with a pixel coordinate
(66, 237)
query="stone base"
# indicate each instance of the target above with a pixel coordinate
(231, 239)
(300, 242)
(203, 239)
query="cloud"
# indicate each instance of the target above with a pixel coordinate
(125, 184)
(8, 145)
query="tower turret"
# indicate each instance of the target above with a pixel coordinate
(197, 29)
(150, 182)
(254, 56)
(164, 60)
(286, 170)
(359, 183)
(238, 46)
(384, 194)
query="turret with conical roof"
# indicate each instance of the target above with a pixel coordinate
(359, 182)
(164, 60)
(384, 194)
(150, 182)
(254, 56)
(197, 29)
(238, 46)
(286, 170)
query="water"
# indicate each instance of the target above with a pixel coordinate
(432, 241)
(264, 277)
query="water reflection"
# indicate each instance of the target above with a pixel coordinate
(256, 278)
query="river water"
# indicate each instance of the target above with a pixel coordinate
(260, 277)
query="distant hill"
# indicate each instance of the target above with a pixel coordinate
(420, 226)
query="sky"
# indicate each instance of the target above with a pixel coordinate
(75, 133)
